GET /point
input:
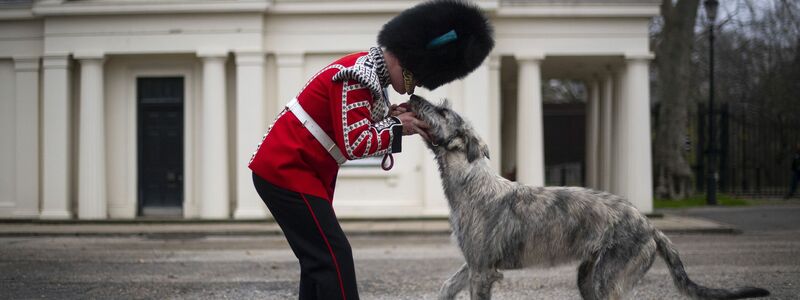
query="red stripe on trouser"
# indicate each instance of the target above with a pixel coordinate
(330, 249)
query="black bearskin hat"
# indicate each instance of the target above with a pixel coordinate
(438, 41)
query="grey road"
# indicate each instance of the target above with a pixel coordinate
(388, 267)
(752, 218)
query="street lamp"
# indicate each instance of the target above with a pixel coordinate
(711, 184)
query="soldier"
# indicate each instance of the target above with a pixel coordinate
(343, 113)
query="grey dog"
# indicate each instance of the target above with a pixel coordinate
(500, 224)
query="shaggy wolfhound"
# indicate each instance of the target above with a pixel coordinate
(501, 224)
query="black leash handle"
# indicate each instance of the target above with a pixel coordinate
(391, 162)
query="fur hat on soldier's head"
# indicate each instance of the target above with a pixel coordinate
(438, 41)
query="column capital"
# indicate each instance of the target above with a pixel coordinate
(494, 61)
(639, 56)
(289, 59)
(211, 53)
(529, 56)
(55, 61)
(89, 55)
(26, 63)
(249, 57)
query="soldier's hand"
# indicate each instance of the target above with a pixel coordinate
(396, 110)
(412, 125)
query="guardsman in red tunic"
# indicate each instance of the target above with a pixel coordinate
(343, 113)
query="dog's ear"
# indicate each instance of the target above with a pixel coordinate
(485, 150)
(445, 103)
(475, 149)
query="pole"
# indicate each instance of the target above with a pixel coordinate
(711, 185)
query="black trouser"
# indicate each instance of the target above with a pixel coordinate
(314, 234)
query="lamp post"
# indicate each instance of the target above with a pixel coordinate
(711, 184)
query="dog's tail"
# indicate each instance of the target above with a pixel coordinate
(694, 290)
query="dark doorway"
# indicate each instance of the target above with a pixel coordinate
(564, 143)
(160, 147)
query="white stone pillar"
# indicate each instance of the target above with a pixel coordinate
(56, 137)
(606, 118)
(639, 189)
(27, 140)
(495, 109)
(592, 124)
(214, 190)
(530, 125)
(619, 161)
(290, 77)
(250, 126)
(92, 195)
(478, 100)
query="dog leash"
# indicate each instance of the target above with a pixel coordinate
(391, 162)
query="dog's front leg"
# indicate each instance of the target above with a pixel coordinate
(454, 284)
(480, 283)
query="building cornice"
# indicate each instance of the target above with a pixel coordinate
(580, 10)
(355, 6)
(16, 12)
(278, 7)
(122, 7)
(327, 7)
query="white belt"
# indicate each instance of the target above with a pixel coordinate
(316, 131)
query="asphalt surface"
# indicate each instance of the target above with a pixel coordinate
(766, 254)
(752, 218)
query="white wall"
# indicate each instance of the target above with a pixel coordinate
(340, 33)
(154, 33)
(572, 36)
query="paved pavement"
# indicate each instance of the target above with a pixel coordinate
(782, 216)
(96, 264)
(672, 223)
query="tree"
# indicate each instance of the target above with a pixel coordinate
(673, 175)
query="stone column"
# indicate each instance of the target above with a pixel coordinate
(494, 113)
(530, 134)
(27, 140)
(290, 77)
(214, 186)
(606, 118)
(478, 101)
(92, 195)
(56, 137)
(592, 132)
(619, 156)
(250, 127)
(639, 189)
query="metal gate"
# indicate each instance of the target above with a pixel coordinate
(754, 149)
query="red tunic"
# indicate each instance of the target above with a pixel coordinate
(349, 110)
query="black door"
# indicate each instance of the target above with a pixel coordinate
(160, 150)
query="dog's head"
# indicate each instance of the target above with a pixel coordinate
(448, 132)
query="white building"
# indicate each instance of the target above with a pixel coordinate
(123, 108)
